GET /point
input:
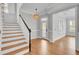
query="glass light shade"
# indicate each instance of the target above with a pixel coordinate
(36, 16)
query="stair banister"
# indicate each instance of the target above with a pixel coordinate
(29, 32)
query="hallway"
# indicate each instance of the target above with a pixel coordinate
(63, 46)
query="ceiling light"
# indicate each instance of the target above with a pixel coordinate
(36, 15)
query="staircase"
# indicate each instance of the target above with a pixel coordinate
(13, 40)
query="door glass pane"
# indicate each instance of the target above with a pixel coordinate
(44, 26)
(72, 25)
(44, 29)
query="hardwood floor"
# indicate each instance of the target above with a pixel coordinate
(63, 46)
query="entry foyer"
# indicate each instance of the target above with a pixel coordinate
(39, 29)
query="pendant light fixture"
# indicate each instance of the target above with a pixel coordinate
(36, 15)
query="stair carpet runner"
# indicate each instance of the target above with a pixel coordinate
(13, 41)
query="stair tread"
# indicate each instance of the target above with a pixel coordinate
(11, 36)
(11, 27)
(12, 46)
(12, 49)
(17, 51)
(10, 24)
(12, 33)
(12, 30)
(12, 41)
(23, 52)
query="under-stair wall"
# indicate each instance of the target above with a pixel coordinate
(31, 23)
(23, 28)
(20, 22)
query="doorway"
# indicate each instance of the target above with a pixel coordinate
(44, 27)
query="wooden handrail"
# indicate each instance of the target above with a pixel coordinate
(29, 32)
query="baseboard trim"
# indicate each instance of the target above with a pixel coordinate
(58, 38)
(41, 39)
(70, 35)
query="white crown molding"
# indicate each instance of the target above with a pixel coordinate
(61, 7)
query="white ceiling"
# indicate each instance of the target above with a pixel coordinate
(45, 7)
(30, 7)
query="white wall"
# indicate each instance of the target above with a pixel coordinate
(20, 22)
(61, 23)
(77, 28)
(23, 28)
(59, 26)
(10, 17)
(49, 28)
(31, 23)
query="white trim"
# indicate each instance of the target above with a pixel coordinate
(58, 38)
